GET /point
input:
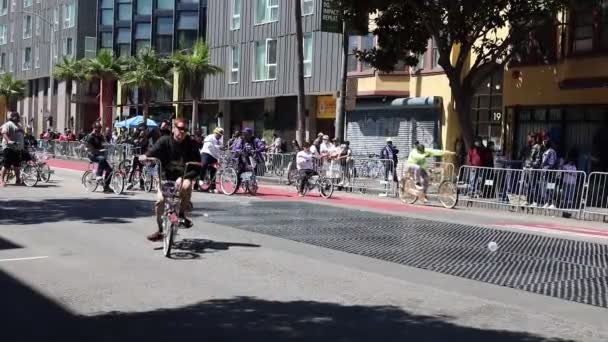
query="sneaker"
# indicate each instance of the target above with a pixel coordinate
(157, 236)
(300, 194)
(2, 184)
(130, 186)
(99, 178)
(551, 206)
(186, 223)
(534, 205)
(107, 190)
(546, 206)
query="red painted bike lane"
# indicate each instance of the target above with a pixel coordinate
(396, 207)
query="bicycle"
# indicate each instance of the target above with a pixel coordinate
(410, 192)
(90, 182)
(231, 180)
(44, 170)
(171, 221)
(323, 184)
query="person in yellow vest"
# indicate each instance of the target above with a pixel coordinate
(417, 161)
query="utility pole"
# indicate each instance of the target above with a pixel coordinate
(341, 107)
(301, 127)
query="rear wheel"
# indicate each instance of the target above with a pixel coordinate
(448, 194)
(29, 175)
(326, 187)
(252, 187)
(292, 174)
(229, 181)
(408, 193)
(89, 181)
(45, 172)
(118, 182)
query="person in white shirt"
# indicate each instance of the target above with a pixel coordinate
(326, 146)
(210, 154)
(305, 165)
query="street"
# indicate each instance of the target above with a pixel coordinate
(75, 266)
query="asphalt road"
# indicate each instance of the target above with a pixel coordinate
(76, 267)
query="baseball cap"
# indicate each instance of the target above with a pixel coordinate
(218, 130)
(389, 139)
(248, 131)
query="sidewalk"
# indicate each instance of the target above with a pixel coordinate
(460, 215)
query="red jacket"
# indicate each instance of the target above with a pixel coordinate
(476, 157)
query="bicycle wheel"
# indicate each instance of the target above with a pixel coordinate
(448, 194)
(229, 182)
(117, 184)
(29, 175)
(407, 191)
(89, 181)
(252, 187)
(326, 187)
(167, 236)
(125, 166)
(292, 177)
(45, 172)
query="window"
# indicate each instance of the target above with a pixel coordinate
(68, 47)
(3, 32)
(307, 55)
(125, 10)
(186, 39)
(38, 26)
(106, 40)
(56, 18)
(359, 43)
(421, 57)
(187, 21)
(3, 7)
(266, 11)
(27, 26)
(12, 31)
(535, 43)
(123, 40)
(69, 14)
(164, 35)
(164, 25)
(107, 12)
(37, 57)
(235, 64)
(143, 31)
(3, 62)
(308, 7)
(144, 7)
(165, 4)
(265, 60)
(435, 56)
(27, 3)
(27, 58)
(235, 24)
(590, 26)
(11, 64)
(90, 47)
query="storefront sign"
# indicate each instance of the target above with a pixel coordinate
(326, 107)
(331, 18)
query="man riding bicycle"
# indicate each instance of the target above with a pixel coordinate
(305, 165)
(416, 162)
(174, 151)
(247, 147)
(12, 144)
(210, 154)
(94, 143)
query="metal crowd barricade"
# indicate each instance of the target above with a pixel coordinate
(596, 197)
(544, 192)
(276, 165)
(364, 174)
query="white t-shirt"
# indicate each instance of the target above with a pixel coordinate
(313, 149)
(326, 148)
(211, 146)
(304, 160)
(14, 132)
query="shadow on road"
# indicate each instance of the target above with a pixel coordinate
(27, 315)
(102, 210)
(6, 244)
(201, 246)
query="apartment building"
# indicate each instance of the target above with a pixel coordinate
(34, 36)
(254, 41)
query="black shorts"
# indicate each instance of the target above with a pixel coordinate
(11, 158)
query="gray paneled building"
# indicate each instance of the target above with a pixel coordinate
(36, 33)
(254, 42)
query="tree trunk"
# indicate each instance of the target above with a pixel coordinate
(462, 96)
(105, 102)
(195, 102)
(146, 106)
(69, 105)
(301, 126)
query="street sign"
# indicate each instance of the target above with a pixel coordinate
(331, 18)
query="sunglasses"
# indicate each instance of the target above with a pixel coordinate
(181, 128)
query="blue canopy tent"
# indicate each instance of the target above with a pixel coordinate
(134, 122)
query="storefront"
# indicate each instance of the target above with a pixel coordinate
(325, 115)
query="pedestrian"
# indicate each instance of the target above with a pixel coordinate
(569, 183)
(12, 144)
(389, 156)
(326, 146)
(548, 164)
(277, 144)
(295, 146)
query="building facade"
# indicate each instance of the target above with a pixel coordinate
(127, 26)
(255, 43)
(34, 36)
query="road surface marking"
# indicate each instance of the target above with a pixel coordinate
(23, 259)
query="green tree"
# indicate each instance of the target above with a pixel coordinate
(70, 70)
(12, 90)
(467, 33)
(193, 65)
(146, 72)
(107, 69)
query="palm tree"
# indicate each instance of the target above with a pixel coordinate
(12, 90)
(146, 72)
(107, 69)
(69, 70)
(194, 65)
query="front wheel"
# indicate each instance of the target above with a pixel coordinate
(229, 182)
(118, 182)
(167, 236)
(89, 181)
(407, 191)
(29, 175)
(448, 194)
(45, 172)
(326, 188)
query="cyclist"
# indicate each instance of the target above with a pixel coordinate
(94, 143)
(417, 162)
(210, 154)
(247, 148)
(304, 163)
(140, 141)
(174, 151)
(12, 144)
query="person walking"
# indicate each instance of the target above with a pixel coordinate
(390, 153)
